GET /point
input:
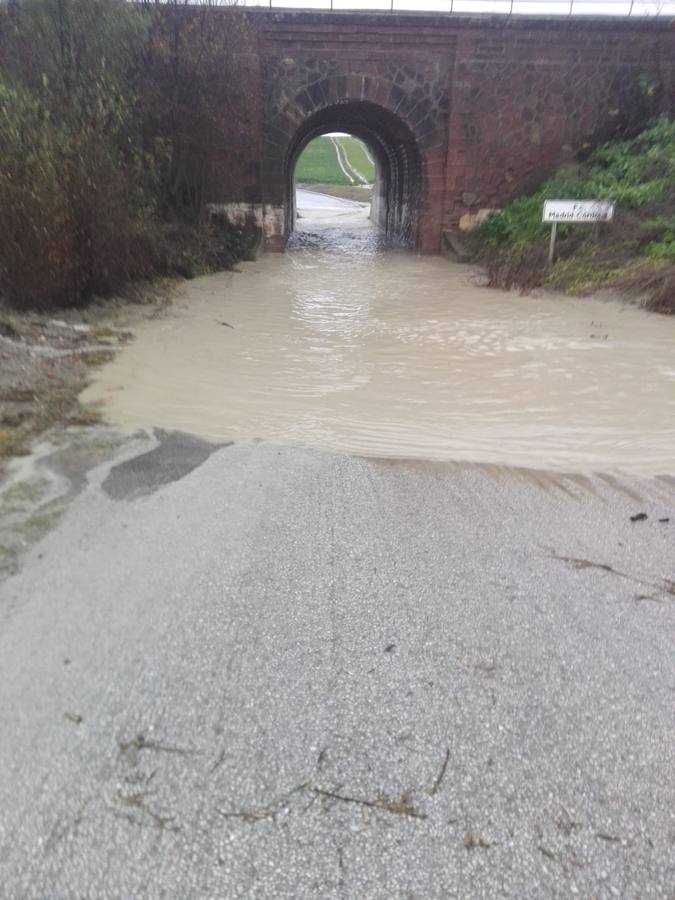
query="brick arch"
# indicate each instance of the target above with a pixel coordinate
(399, 171)
(396, 115)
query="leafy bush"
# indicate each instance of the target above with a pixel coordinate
(663, 245)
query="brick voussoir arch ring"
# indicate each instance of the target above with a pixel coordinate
(396, 125)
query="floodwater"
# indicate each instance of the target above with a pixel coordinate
(344, 345)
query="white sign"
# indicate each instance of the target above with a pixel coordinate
(578, 211)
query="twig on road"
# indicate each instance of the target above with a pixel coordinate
(434, 789)
(666, 586)
(142, 743)
(263, 812)
(400, 807)
(610, 838)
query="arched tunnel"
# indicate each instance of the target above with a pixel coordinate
(398, 168)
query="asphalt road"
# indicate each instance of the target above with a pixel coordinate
(262, 672)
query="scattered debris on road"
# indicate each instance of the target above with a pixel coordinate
(473, 840)
(140, 742)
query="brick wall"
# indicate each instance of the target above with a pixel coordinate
(522, 90)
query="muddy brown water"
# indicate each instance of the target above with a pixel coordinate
(345, 345)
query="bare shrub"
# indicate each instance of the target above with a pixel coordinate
(108, 111)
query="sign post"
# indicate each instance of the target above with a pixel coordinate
(589, 211)
(551, 246)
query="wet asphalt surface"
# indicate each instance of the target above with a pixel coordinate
(317, 200)
(268, 672)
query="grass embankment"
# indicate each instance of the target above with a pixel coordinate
(634, 254)
(318, 163)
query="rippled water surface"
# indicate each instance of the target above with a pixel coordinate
(344, 345)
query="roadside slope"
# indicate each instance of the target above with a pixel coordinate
(635, 253)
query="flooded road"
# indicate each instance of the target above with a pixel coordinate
(342, 345)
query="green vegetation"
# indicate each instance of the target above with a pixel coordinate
(635, 252)
(318, 163)
(102, 104)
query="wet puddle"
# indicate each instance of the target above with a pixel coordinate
(343, 345)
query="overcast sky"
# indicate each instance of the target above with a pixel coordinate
(588, 7)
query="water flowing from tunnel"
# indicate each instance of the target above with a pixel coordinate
(347, 345)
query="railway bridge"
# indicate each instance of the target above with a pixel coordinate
(460, 112)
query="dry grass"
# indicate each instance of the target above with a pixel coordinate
(11, 443)
(85, 418)
(654, 283)
(584, 267)
(98, 357)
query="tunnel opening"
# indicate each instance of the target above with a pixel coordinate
(335, 172)
(397, 186)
